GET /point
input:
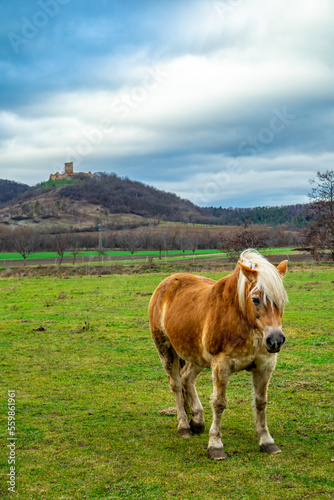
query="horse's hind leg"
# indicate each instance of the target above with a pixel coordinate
(172, 365)
(188, 377)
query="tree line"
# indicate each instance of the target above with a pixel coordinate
(27, 240)
(294, 216)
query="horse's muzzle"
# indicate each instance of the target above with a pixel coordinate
(274, 341)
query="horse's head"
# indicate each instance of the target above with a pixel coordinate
(262, 297)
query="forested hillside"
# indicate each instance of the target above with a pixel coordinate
(292, 215)
(110, 194)
(121, 195)
(9, 190)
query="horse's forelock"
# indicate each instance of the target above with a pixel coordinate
(269, 280)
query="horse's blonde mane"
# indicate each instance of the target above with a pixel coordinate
(269, 280)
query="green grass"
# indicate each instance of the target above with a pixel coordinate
(58, 183)
(116, 253)
(89, 386)
(124, 253)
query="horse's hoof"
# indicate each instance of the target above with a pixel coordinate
(197, 428)
(217, 453)
(271, 448)
(184, 432)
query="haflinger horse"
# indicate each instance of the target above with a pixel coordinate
(228, 325)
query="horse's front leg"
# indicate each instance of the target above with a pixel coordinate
(218, 405)
(261, 378)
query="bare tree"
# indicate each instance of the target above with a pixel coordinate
(221, 241)
(182, 242)
(24, 241)
(74, 245)
(130, 241)
(194, 241)
(110, 239)
(75, 249)
(60, 244)
(245, 239)
(159, 241)
(319, 234)
(4, 238)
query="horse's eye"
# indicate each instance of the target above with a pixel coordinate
(256, 300)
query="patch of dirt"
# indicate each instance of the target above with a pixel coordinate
(168, 411)
(309, 286)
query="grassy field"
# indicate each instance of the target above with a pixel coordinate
(84, 257)
(89, 384)
(92, 253)
(6, 256)
(57, 183)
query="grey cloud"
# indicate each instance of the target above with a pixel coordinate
(228, 80)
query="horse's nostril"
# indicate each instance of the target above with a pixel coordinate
(275, 341)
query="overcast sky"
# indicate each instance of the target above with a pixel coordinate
(226, 103)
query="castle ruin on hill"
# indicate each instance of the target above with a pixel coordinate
(69, 173)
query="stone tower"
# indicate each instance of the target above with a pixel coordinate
(69, 168)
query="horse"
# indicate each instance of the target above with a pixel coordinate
(228, 325)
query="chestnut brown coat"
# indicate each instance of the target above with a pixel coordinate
(227, 325)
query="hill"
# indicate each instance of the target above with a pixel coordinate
(82, 202)
(10, 190)
(122, 195)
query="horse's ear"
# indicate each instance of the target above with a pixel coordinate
(282, 267)
(249, 273)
